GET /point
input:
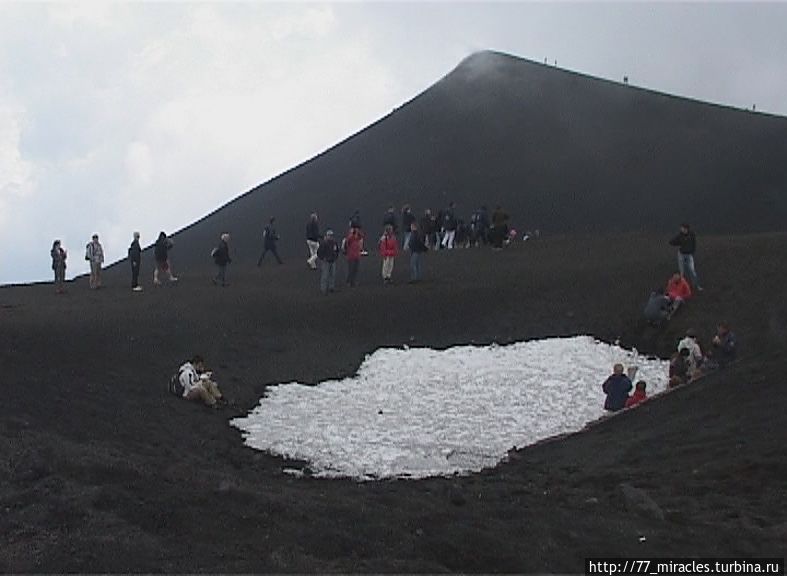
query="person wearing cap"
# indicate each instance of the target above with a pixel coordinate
(221, 257)
(353, 248)
(686, 241)
(94, 254)
(617, 388)
(135, 259)
(328, 253)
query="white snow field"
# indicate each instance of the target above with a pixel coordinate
(419, 412)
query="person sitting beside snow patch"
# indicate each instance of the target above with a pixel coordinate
(617, 388)
(678, 291)
(197, 383)
(639, 395)
(695, 356)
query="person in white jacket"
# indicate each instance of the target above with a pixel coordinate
(695, 357)
(197, 383)
(94, 253)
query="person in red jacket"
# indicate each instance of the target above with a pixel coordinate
(389, 248)
(638, 396)
(352, 248)
(678, 291)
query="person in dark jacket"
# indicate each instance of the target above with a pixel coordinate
(269, 239)
(58, 254)
(328, 253)
(658, 308)
(161, 255)
(135, 259)
(449, 224)
(355, 220)
(686, 241)
(389, 219)
(428, 228)
(617, 388)
(407, 219)
(221, 257)
(313, 240)
(417, 250)
(679, 368)
(724, 345)
(499, 228)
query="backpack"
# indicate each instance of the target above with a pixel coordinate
(214, 252)
(88, 251)
(175, 387)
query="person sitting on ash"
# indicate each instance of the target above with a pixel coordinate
(639, 395)
(197, 383)
(695, 357)
(679, 368)
(658, 309)
(678, 291)
(724, 345)
(617, 388)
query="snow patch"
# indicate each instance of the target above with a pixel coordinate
(420, 412)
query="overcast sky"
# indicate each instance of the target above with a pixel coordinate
(142, 116)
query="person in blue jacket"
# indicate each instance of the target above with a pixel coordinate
(617, 388)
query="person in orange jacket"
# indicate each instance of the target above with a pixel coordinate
(678, 291)
(389, 248)
(638, 396)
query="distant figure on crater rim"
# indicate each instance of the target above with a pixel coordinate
(161, 254)
(313, 238)
(94, 254)
(135, 259)
(59, 255)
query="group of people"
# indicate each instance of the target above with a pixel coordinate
(681, 286)
(94, 255)
(690, 361)
(400, 233)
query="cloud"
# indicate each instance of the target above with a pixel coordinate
(17, 179)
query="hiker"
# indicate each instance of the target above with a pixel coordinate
(407, 220)
(59, 255)
(695, 356)
(161, 254)
(679, 368)
(617, 388)
(417, 250)
(686, 241)
(328, 253)
(678, 291)
(638, 396)
(353, 248)
(389, 219)
(355, 220)
(429, 229)
(389, 248)
(499, 228)
(449, 227)
(197, 383)
(313, 240)
(135, 259)
(724, 345)
(269, 239)
(658, 309)
(94, 253)
(221, 257)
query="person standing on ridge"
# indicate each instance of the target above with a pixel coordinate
(686, 241)
(389, 219)
(161, 254)
(58, 254)
(499, 228)
(449, 226)
(221, 257)
(135, 259)
(269, 239)
(417, 250)
(313, 240)
(353, 248)
(328, 253)
(407, 219)
(94, 253)
(389, 248)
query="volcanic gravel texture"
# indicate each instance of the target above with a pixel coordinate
(103, 471)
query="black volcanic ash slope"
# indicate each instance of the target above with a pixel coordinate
(560, 151)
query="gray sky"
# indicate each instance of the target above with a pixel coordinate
(140, 116)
